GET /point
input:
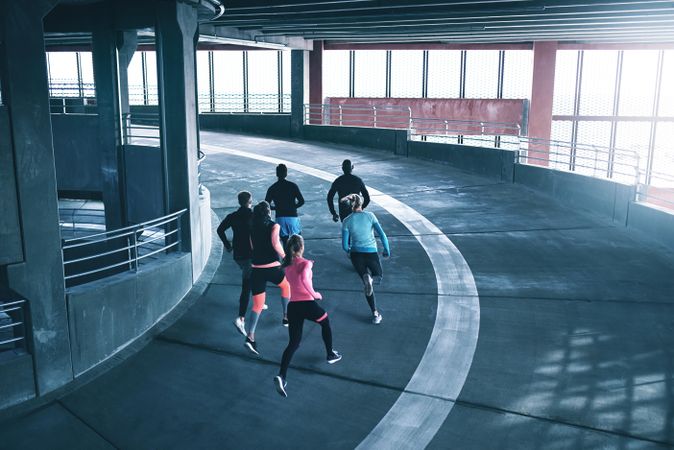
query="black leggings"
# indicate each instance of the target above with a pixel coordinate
(244, 297)
(298, 312)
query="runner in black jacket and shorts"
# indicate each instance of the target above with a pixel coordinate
(344, 185)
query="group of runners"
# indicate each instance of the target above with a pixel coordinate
(269, 250)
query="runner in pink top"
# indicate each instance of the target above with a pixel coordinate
(302, 306)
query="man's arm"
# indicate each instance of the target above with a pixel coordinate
(366, 195)
(224, 225)
(269, 198)
(331, 197)
(298, 197)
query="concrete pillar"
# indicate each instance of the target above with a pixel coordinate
(127, 42)
(542, 90)
(316, 76)
(176, 29)
(299, 92)
(39, 277)
(104, 55)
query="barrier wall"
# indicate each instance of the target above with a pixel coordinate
(17, 380)
(394, 141)
(489, 162)
(77, 153)
(277, 125)
(144, 183)
(657, 224)
(605, 197)
(106, 315)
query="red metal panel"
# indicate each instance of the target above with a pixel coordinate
(392, 113)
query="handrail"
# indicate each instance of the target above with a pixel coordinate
(17, 326)
(83, 262)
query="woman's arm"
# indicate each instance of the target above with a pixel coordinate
(276, 240)
(306, 280)
(345, 239)
(382, 236)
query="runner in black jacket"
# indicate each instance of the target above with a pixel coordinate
(344, 185)
(240, 222)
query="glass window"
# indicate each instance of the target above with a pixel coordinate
(263, 80)
(370, 73)
(517, 72)
(151, 68)
(666, 105)
(637, 87)
(407, 73)
(561, 131)
(663, 155)
(598, 82)
(135, 79)
(632, 136)
(482, 74)
(565, 82)
(63, 80)
(286, 80)
(203, 83)
(228, 80)
(444, 73)
(593, 161)
(336, 73)
(87, 66)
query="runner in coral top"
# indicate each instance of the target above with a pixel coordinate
(302, 306)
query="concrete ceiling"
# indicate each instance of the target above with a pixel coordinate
(403, 21)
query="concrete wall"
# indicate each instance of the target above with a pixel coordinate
(608, 198)
(489, 162)
(10, 231)
(17, 380)
(277, 125)
(105, 315)
(657, 224)
(144, 183)
(77, 152)
(203, 249)
(394, 141)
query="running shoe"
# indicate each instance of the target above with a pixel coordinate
(284, 322)
(280, 384)
(367, 280)
(265, 306)
(334, 357)
(251, 345)
(376, 319)
(240, 327)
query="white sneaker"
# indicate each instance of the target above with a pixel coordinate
(367, 282)
(265, 307)
(240, 326)
(376, 319)
(280, 385)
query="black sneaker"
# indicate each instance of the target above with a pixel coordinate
(334, 357)
(280, 384)
(284, 322)
(251, 345)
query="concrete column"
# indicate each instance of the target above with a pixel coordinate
(316, 76)
(39, 277)
(127, 42)
(299, 92)
(542, 90)
(104, 55)
(176, 29)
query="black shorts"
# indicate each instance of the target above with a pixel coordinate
(367, 263)
(260, 276)
(304, 310)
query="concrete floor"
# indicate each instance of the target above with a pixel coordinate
(575, 344)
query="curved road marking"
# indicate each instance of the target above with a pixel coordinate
(421, 409)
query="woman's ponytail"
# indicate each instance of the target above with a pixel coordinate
(294, 245)
(354, 200)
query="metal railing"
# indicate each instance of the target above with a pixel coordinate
(656, 189)
(103, 254)
(141, 128)
(71, 88)
(240, 103)
(358, 115)
(13, 325)
(592, 160)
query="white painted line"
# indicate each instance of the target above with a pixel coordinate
(419, 412)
